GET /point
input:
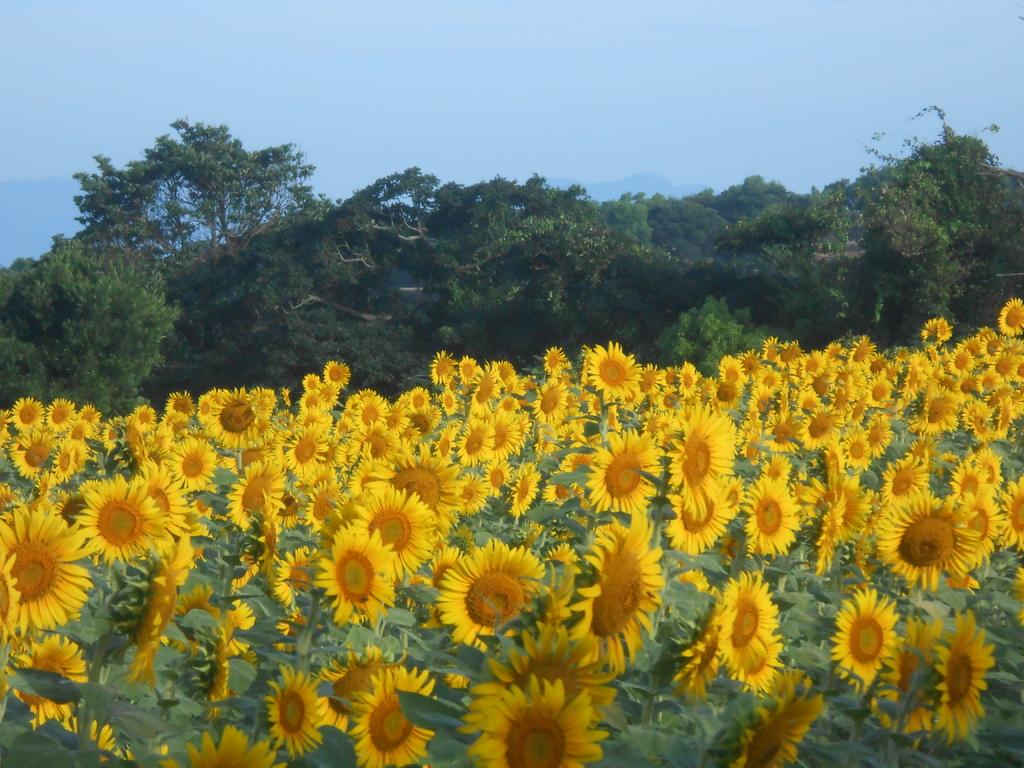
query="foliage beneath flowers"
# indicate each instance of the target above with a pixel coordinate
(809, 555)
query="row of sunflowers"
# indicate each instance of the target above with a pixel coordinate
(813, 556)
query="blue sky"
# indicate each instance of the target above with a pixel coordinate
(700, 92)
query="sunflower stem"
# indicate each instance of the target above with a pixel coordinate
(304, 643)
(5, 652)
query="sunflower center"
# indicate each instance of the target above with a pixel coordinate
(696, 516)
(420, 480)
(236, 416)
(291, 712)
(305, 449)
(769, 516)
(902, 482)
(866, 640)
(612, 372)
(549, 401)
(959, 676)
(621, 591)
(623, 475)
(927, 541)
(35, 455)
(298, 576)
(820, 425)
(255, 491)
(388, 726)
(474, 442)
(5, 600)
(698, 460)
(394, 529)
(535, 742)
(1017, 513)
(345, 688)
(908, 665)
(355, 576)
(119, 522)
(745, 625)
(34, 570)
(765, 746)
(494, 597)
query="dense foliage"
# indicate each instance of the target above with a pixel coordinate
(807, 554)
(267, 279)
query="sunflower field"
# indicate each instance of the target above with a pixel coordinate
(812, 557)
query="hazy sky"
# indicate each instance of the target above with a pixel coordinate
(700, 91)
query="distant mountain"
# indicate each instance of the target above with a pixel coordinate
(648, 183)
(32, 212)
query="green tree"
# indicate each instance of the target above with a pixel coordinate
(703, 335)
(199, 194)
(628, 217)
(75, 326)
(943, 234)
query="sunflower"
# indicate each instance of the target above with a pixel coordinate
(772, 740)
(434, 479)
(295, 711)
(538, 725)
(476, 444)
(120, 518)
(865, 636)
(613, 373)
(904, 479)
(937, 330)
(555, 361)
(923, 536)
(336, 374)
(442, 369)
(403, 522)
(551, 403)
(179, 407)
(28, 412)
(704, 453)
(51, 654)
(193, 462)
(348, 680)
(236, 418)
(616, 609)
(1013, 507)
(550, 655)
(525, 483)
(487, 589)
(509, 431)
(772, 516)
(292, 574)
(383, 734)
(51, 586)
(700, 522)
(260, 491)
(700, 660)
(962, 665)
(355, 573)
(306, 451)
(233, 751)
(616, 481)
(1011, 318)
(749, 623)
(144, 604)
(169, 495)
(916, 645)
(9, 598)
(30, 452)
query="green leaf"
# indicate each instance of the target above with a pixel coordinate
(240, 675)
(49, 685)
(429, 712)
